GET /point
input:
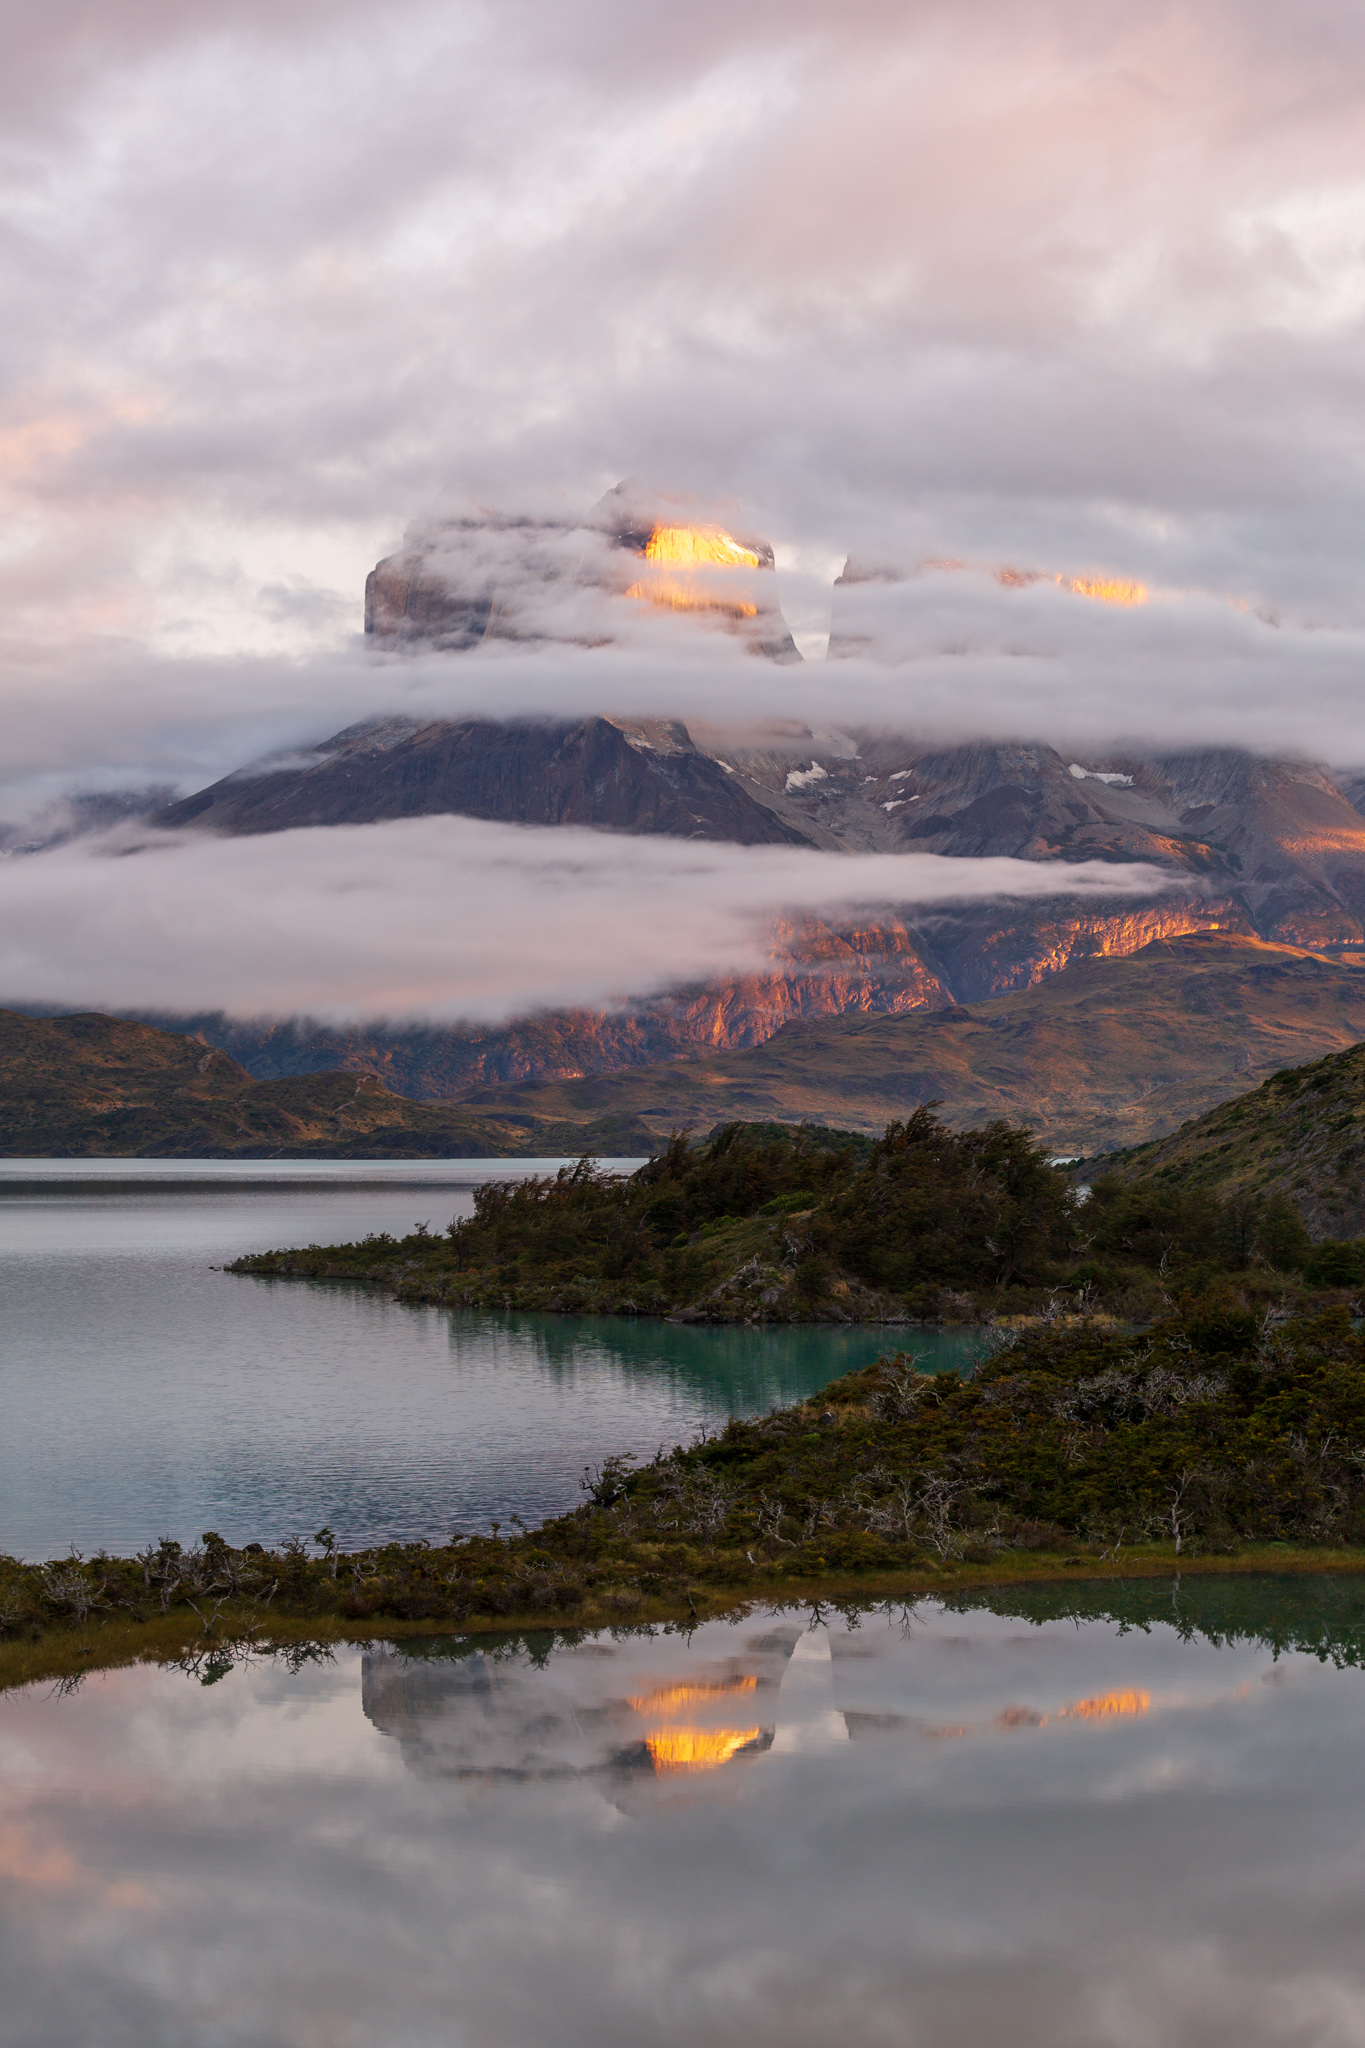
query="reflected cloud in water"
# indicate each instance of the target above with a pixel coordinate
(756, 1832)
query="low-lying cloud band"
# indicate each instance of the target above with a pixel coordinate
(447, 918)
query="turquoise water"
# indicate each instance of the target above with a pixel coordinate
(145, 1392)
(1105, 1818)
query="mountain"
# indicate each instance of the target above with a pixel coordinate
(1301, 1133)
(645, 777)
(1268, 849)
(465, 578)
(1108, 1053)
(104, 1087)
(817, 972)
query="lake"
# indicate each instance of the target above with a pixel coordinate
(147, 1394)
(1113, 1818)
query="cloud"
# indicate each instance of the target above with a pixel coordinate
(1029, 275)
(446, 918)
(1053, 283)
(940, 657)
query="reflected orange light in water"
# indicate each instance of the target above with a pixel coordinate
(1107, 1706)
(696, 1749)
(665, 1696)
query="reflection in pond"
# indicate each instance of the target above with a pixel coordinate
(1150, 1829)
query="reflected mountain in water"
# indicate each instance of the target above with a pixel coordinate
(634, 1704)
(1114, 1815)
(625, 1706)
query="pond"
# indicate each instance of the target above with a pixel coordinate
(1100, 1816)
(146, 1393)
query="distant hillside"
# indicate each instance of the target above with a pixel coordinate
(1302, 1134)
(102, 1087)
(1106, 1054)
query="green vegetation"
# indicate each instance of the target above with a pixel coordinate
(1301, 1137)
(758, 1223)
(784, 1223)
(1221, 1434)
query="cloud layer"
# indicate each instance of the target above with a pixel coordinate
(445, 918)
(1052, 283)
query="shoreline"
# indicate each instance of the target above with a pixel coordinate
(67, 1651)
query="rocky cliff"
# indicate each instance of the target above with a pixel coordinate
(1109, 1053)
(1271, 849)
(878, 970)
(468, 577)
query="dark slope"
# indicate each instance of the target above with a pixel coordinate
(102, 1087)
(1109, 1052)
(1277, 846)
(1301, 1134)
(531, 772)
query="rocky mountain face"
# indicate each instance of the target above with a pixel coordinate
(1270, 849)
(601, 772)
(1277, 842)
(1108, 1054)
(106, 1087)
(880, 970)
(462, 580)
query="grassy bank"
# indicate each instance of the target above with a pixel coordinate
(1223, 1438)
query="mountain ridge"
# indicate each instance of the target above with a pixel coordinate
(91, 1086)
(1108, 1053)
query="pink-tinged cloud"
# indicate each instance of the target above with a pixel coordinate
(447, 918)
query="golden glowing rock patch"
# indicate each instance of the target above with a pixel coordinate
(693, 547)
(689, 553)
(1106, 589)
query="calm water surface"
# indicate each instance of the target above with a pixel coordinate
(941, 1828)
(145, 1393)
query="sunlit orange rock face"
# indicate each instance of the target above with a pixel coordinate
(1106, 589)
(683, 563)
(694, 546)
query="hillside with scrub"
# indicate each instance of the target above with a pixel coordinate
(773, 1223)
(1299, 1137)
(1221, 1438)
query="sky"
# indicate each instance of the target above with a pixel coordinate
(1063, 286)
